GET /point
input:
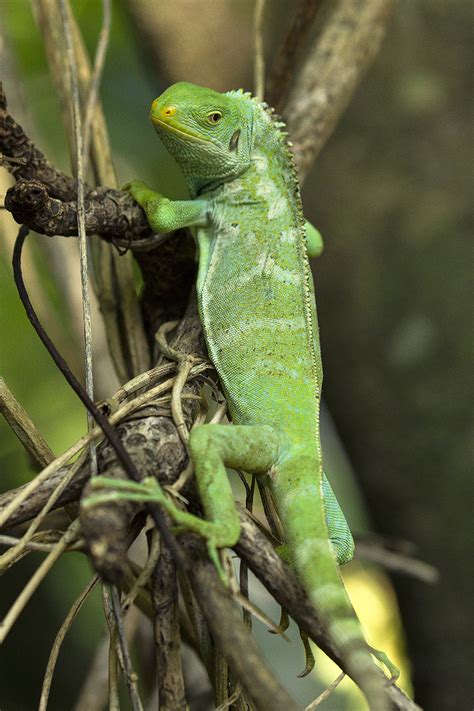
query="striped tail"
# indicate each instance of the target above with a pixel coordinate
(298, 494)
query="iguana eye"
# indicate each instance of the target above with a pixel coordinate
(214, 117)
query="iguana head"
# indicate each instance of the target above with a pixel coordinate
(208, 133)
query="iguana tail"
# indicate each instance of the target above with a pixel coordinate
(298, 494)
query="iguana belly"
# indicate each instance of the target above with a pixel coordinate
(255, 324)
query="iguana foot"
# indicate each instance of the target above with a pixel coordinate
(139, 191)
(388, 664)
(107, 490)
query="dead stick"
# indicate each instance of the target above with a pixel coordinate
(24, 427)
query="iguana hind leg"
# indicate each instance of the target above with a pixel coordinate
(213, 448)
(314, 241)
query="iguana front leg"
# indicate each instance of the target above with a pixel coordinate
(314, 241)
(165, 215)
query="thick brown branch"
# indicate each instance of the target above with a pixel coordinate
(230, 633)
(44, 197)
(348, 41)
(112, 213)
(283, 69)
(262, 559)
(29, 162)
(164, 595)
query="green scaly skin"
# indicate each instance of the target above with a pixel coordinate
(257, 308)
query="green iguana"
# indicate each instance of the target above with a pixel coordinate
(258, 312)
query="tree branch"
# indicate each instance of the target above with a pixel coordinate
(230, 632)
(284, 65)
(50, 208)
(349, 39)
(164, 595)
(110, 211)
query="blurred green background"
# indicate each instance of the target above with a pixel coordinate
(391, 194)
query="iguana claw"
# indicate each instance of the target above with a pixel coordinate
(388, 664)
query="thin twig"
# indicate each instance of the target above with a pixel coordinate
(8, 558)
(34, 545)
(326, 693)
(259, 60)
(81, 223)
(130, 676)
(114, 651)
(24, 427)
(258, 614)
(397, 562)
(146, 379)
(59, 639)
(97, 71)
(145, 574)
(23, 598)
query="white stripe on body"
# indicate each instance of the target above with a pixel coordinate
(269, 367)
(266, 268)
(227, 336)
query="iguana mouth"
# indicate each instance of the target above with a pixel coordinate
(179, 131)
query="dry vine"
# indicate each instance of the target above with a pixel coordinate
(154, 411)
